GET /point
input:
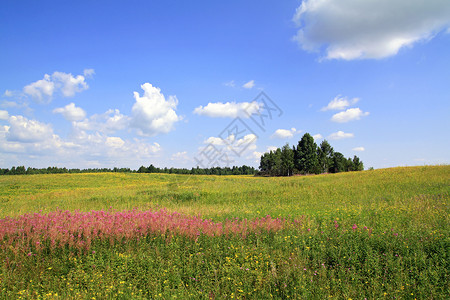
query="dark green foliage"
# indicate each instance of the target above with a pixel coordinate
(325, 156)
(235, 170)
(307, 158)
(306, 161)
(287, 161)
(338, 163)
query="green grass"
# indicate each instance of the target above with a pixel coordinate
(405, 255)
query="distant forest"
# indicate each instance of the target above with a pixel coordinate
(243, 170)
(307, 158)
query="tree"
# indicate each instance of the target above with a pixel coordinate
(348, 165)
(338, 163)
(287, 161)
(264, 165)
(357, 164)
(142, 169)
(325, 154)
(306, 158)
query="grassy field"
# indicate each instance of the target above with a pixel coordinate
(372, 234)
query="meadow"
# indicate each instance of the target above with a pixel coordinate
(371, 234)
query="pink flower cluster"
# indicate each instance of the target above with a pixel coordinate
(59, 229)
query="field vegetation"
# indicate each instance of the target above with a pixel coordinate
(371, 234)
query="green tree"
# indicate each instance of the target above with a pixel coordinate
(338, 163)
(142, 169)
(357, 164)
(287, 161)
(325, 154)
(306, 160)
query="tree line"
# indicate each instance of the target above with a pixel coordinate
(235, 170)
(307, 158)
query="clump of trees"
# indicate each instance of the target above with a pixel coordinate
(307, 158)
(235, 170)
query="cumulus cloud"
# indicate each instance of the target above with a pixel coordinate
(108, 122)
(339, 103)
(4, 115)
(27, 131)
(64, 83)
(41, 88)
(71, 112)
(228, 109)
(152, 113)
(284, 133)
(340, 135)
(180, 156)
(97, 146)
(317, 137)
(217, 141)
(233, 144)
(350, 114)
(369, 29)
(88, 73)
(33, 141)
(249, 84)
(359, 149)
(114, 142)
(257, 155)
(68, 84)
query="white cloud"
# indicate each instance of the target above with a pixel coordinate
(114, 142)
(272, 148)
(284, 133)
(339, 103)
(257, 155)
(4, 115)
(34, 143)
(8, 93)
(228, 109)
(233, 145)
(27, 131)
(317, 137)
(369, 29)
(249, 139)
(180, 156)
(71, 112)
(68, 84)
(359, 149)
(249, 84)
(350, 114)
(65, 83)
(108, 122)
(230, 83)
(7, 146)
(108, 149)
(215, 141)
(152, 113)
(88, 73)
(41, 88)
(340, 135)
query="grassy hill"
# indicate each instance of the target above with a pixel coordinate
(354, 235)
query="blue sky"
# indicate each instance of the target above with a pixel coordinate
(174, 83)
